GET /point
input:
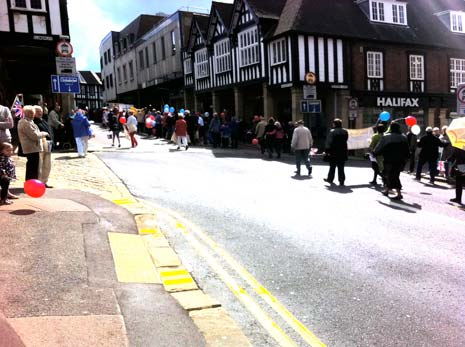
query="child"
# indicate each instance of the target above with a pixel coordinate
(7, 173)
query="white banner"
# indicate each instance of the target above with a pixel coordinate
(359, 138)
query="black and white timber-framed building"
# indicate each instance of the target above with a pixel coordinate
(29, 33)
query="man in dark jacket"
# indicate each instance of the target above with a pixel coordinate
(412, 142)
(395, 149)
(429, 153)
(336, 151)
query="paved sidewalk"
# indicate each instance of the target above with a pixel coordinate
(86, 265)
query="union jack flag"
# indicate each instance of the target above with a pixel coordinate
(17, 107)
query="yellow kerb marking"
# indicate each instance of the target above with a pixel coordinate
(133, 263)
(178, 281)
(128, 201)
(174, 273)
(148, 231)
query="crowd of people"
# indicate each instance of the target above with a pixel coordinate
(35, 131)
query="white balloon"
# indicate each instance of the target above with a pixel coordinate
(415, 129)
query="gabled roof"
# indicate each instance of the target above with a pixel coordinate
(199, 24)
(89, 77)
(221, 12)
(345, 18)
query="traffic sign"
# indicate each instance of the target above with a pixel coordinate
(310, 106)
(64, 49)
(65, 84)
(461, 99)
(66, 66)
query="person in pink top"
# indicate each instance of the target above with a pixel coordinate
(180, 130)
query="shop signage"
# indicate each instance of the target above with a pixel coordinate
(382, 101)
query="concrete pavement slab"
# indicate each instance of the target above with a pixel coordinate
(164, 256)
(155, 241)
(8, 336)
(72, 331)
(46, 205)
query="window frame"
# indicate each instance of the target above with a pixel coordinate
(118, 72)
(141, 60)
(374, 69)
(457, 15)
(131, 70)
(414, 67)
(454, 72)
(278, 52)
(28, 6)
(163, 49)
(222, 54)
(249, 47)
(188, 66)
(201, 63)
(125, 74)
(173, 42)
(154, 52)
(389, 12)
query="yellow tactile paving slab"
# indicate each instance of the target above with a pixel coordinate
(176, 279)
(164, 256)
(133, 263)
(195, 300)
(73, 331)
(226, 334)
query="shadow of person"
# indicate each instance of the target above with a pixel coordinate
(23, 212)
(401, 205)
(339, 189)
(301, 178)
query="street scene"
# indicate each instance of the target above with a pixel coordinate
(232, 173)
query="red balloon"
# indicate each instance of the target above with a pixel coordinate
(255, 142)
(149, 123)
(122, 120)
(152, 117)
(34, 188)
(410, 121)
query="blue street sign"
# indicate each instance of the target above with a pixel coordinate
(65, 84)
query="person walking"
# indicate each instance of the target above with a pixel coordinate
(279, 138)
(301, 143)
(45, 154)
(81, 131)
(260, 133)
(336, 151)
(180, 130)
(6, 123)
(270, 135)
(429, 153)
(115, 127)
(30, 137)
(412, 143)
(215, 130)
(457, 158)
(377, 161)
(395, 150)
(131, 125)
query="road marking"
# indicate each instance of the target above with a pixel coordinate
(149, 231)
(262, 317)
(126, 201)
(133, 263)
(306, 334)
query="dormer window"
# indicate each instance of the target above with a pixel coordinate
(457, 21)
(392, 12)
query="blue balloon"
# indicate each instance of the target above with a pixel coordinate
(171, 109)
(384, 116)
(181, 110)
(166, 106)
(166, 110)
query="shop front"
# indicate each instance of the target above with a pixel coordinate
(428, 109)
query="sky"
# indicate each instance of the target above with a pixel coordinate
(90, 21)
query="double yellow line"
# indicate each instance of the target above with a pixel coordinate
(193, 234)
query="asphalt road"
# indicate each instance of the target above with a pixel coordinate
(356, 268)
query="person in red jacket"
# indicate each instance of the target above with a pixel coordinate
(180, 129)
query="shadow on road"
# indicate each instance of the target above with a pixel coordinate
(23, 212)
(401, 206)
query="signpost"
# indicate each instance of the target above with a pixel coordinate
(65, 84)
(461, 99)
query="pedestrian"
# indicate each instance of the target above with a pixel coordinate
(395, 150)
(412, 143)
(446, 151)
(81, 131)
(289, 130)
(170, 123)
(54, 121)
(105, 117)
(377, 161)
(201, 127)
(6, 123)
(30, 137)
(457, 158)
(192, 126)
(235, 129)
(301, 143)
(158, 125)
(336, 152)
(131, 125)
(279, 138)
(270, 134)
(140, 121)
(260, 130)
(215, 130)
(206, 126)
(429, 152)
(45, 154)
(7, 173)
(181, 132)
(115, 127)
